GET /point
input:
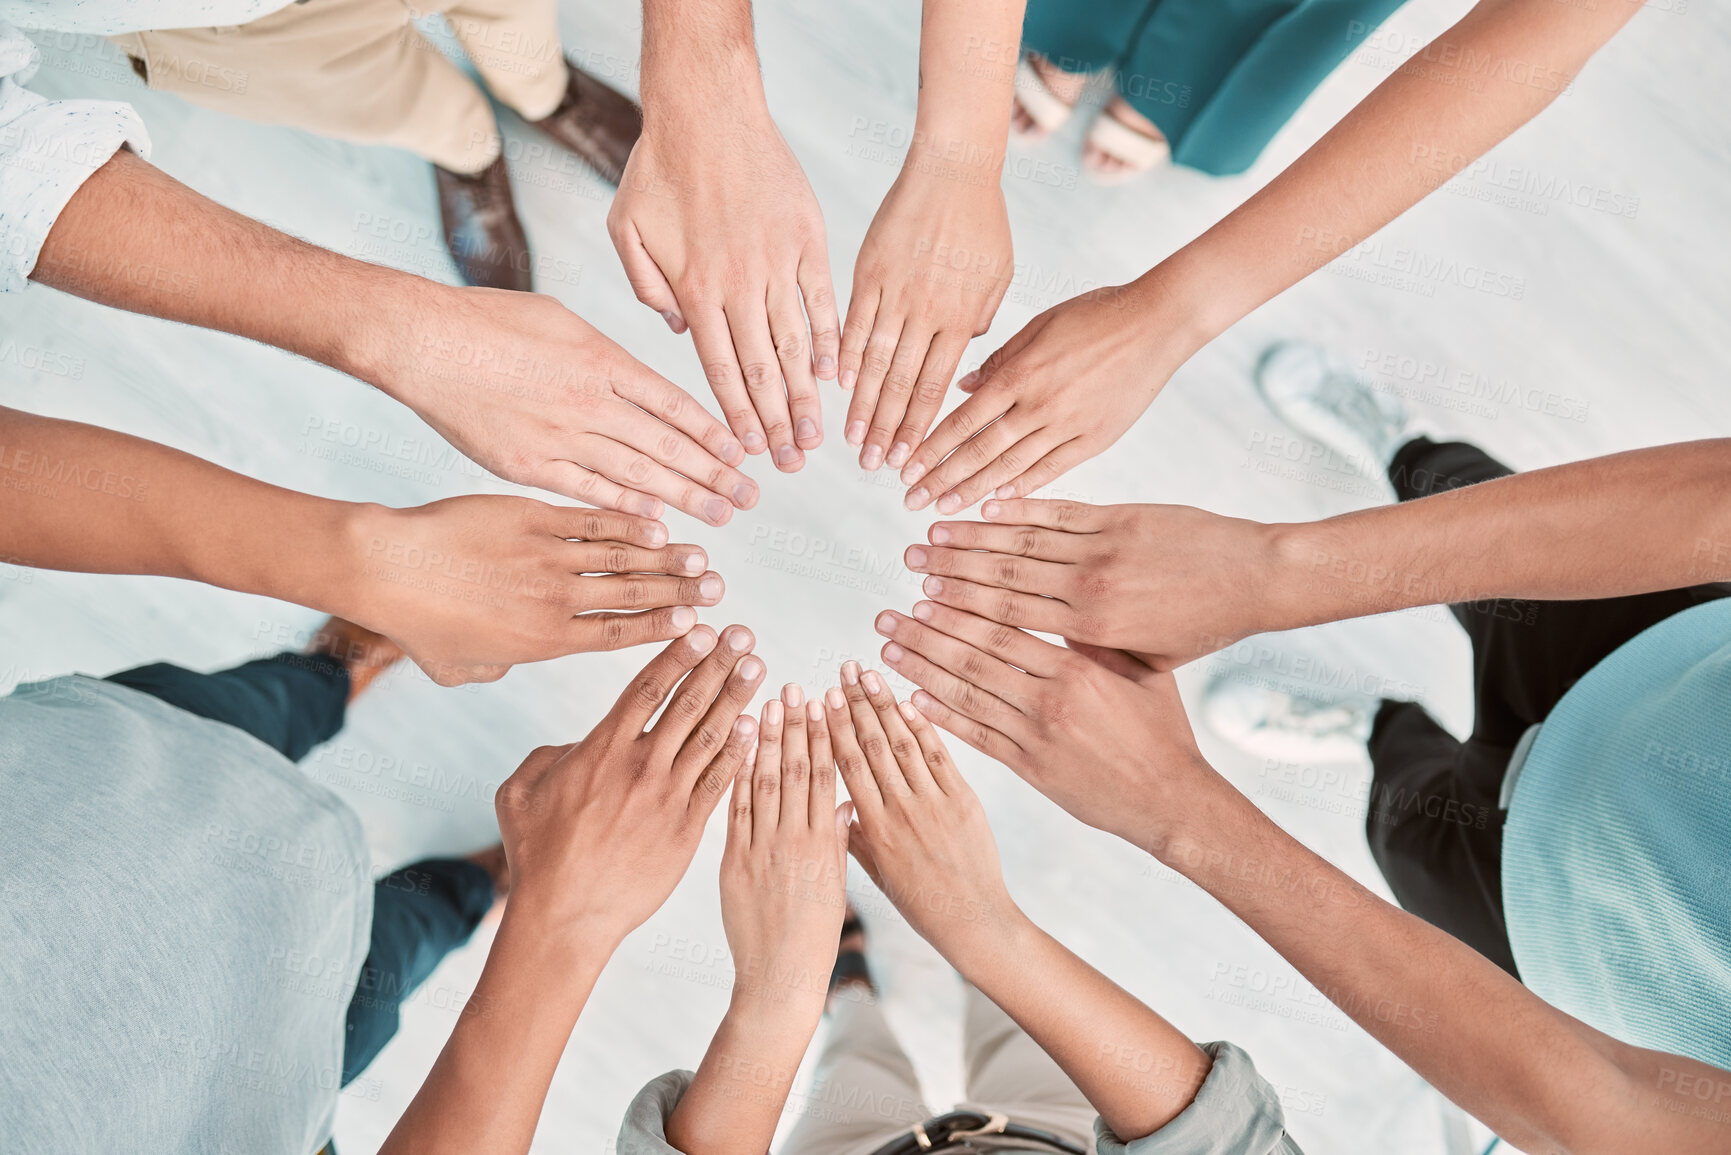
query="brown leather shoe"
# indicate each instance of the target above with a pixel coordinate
(481, 227)
(596, 122)
(364, 653)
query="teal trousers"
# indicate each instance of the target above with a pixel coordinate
(1217, 77)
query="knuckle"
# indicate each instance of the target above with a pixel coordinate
(1000, 638)
(930, 392)
(791, 347)
(614, 633)
(1007, 571)
(718, 373)
(1007, 611)
(615, 559)
(759, 375)
(667, 446)
(1027, 541)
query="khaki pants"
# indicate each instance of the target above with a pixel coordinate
(865, 1092)
(358, 70)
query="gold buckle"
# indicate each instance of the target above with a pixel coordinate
(921, 1137)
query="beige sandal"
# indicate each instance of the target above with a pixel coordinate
(1133, 148)
(1045, 108)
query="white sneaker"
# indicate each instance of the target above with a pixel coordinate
(1273, 723)
(1318, 394)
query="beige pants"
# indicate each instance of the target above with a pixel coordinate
(866, 1093)
(358, 70)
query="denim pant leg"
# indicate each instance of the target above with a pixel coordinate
(290, 702)
(421, 913)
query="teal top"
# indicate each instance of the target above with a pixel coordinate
(1617, 851)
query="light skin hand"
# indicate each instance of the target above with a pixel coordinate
(719, 230)
(537, 395)
(1167, 581)
(934, 267)
(425, 576)
(597, 834)
(783, 895)
(1057, 393)
(1030, 704)
(923, 837)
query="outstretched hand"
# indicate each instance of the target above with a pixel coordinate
(1097, 731)
(1167, 582)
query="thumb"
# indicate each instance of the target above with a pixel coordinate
(1119, 662)
(646, 277)
(856, 846)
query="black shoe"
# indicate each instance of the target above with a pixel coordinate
(596, 122)
(481, 227)
(851, 977)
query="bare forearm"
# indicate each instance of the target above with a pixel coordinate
(78, 497)
(1635, 522)
(1541, 1079)
(137, 239)
(486, 1090)
(1501, 65)
(696, 53)
(1137, 1069)
(968, 54)
(741, 1087)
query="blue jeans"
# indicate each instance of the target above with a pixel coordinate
(291, 703)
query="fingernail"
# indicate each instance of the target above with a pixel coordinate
(772, 713)
(814, 711)
(649, 506)
(739, 641)
(913, 473)
(898, 454)
(908, 711)
(786, 455)
(847, 378)
(744, 494)
(922, 700)
(1004, 492)
(710, 588)
(806, 428)
(949, 503)
(733, 452)
(793, 695)
(684, 618)
(754, 442)
(751, 669)
(714, 509)
(916, 556)
(968, 378)
(855, 432)
(695, 564)
(743, 726)
(872, 458)
(990, 510)
(850, 673)
(892, 653)
(885, 624)
(658, 535)
(701, 640)
(940, 534)
(933, 586)
(836, 699)
(826, 367)
(923, 611)
(670, 317)
(872, 682)
(917, 498)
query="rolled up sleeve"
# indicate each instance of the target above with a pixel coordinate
(1235, 1113)
(644, 1131)
(48, 149)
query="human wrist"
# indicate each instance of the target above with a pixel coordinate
(1177, 309)
(1313, 579)
(687, 92)
(389, 317)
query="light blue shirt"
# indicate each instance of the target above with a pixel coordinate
(1617, 851)
(183, 916)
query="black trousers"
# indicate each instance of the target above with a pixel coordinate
(291, 703)
(1433, 823)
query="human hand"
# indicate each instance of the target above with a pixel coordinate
(930, 275)
(470, 586)
(918, 830)
(1168, 582)
(719, 232)
(784, 872)
(1097, 731)
(1057, 393)
(598, 833)
(538, 396)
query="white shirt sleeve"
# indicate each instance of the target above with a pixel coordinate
(48, 149)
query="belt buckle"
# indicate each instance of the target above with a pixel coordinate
(994, 1125)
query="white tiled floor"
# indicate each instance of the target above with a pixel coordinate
(1607, 331)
